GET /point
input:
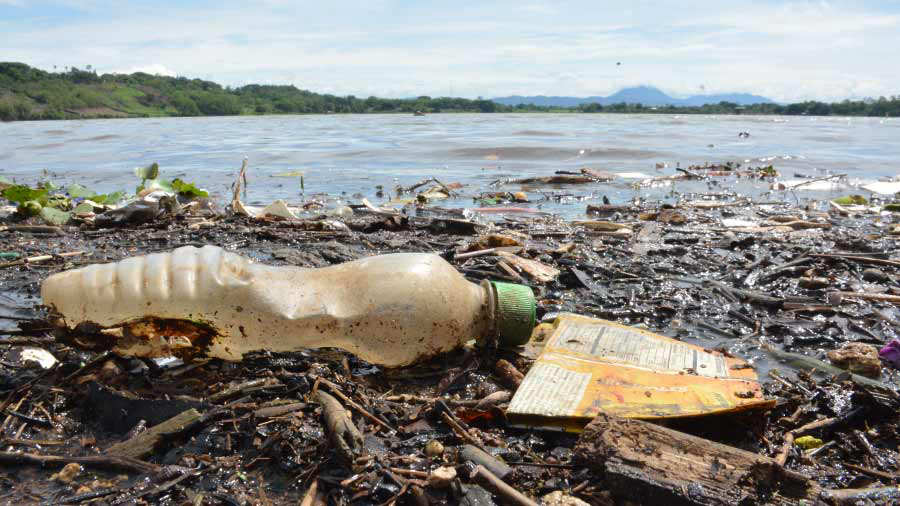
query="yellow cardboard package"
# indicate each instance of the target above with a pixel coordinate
(590, 365)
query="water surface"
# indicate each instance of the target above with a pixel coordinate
(347, 156)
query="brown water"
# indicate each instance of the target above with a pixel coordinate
(347, 156)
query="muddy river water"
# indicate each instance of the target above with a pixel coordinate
(348, 156)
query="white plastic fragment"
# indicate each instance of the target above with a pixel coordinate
(883, 188)
(39, 355)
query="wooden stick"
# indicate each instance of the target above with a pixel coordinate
(509, 270)
(337, 392)
(872, 472)
(313, 496)
(462, 433)
(41, 258)
(34, 229)
(860, 259)
(146, 441)
(506, 493)
(410, 472)
(877, 297)
(104, 461)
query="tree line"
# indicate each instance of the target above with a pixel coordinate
(28, 93)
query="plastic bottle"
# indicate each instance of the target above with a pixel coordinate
(390, 310)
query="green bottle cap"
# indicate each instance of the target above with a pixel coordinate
(515, 313)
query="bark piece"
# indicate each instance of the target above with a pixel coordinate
(650, 464)
(538, 271)
(145, 442)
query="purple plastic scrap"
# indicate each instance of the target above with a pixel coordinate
(891, 353)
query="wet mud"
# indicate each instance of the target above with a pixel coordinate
(716, 270)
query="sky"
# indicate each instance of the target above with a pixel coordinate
(787, 51)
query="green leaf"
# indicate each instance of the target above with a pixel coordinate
(77, 191)
(850, 200)
(108, 198)
(188, 189)
(55, 216)
(157, 184)
(21, 193)
(57, 201)
(83, 208)
(29, 208)
(149, 172)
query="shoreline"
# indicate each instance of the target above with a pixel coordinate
(718, 273)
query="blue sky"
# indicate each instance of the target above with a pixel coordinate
(827, 50)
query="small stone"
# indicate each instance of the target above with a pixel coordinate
(813, 283)
(857, 358)
(109, 370)
(875, 275)
(441, 477)
(67, 473)
(434, 448)
(671, 216)
(558, 498)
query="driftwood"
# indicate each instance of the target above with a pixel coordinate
(540, 272)
(557, 179)
(101, 461)
(650, 464)
(145, 442)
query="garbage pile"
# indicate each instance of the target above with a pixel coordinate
(718, 350)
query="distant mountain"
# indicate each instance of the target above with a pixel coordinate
(646, 95)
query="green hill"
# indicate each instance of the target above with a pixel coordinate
(30, 93)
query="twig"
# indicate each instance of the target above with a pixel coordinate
(344, 435)
(236, 389)
(407, 398)
(785, 448)
(93, 363)
(41, 258)
(872, 472)
(818, 424)
(506, 493)
(29, 419)
(313, 496)
(462, 433)
(877, 297)
(165, 486)
(145, 442)
(25, 341)
(337, 392)
(858, 258)
(410, 472)
(34, 229)
(103, 461)
(777, 377)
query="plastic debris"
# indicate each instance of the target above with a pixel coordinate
(590, 365)
(808, 442)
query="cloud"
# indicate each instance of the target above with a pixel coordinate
(787, 50)
(157, 69)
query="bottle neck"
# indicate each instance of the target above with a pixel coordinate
(489, 311)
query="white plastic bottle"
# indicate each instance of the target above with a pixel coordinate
(390, 310)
